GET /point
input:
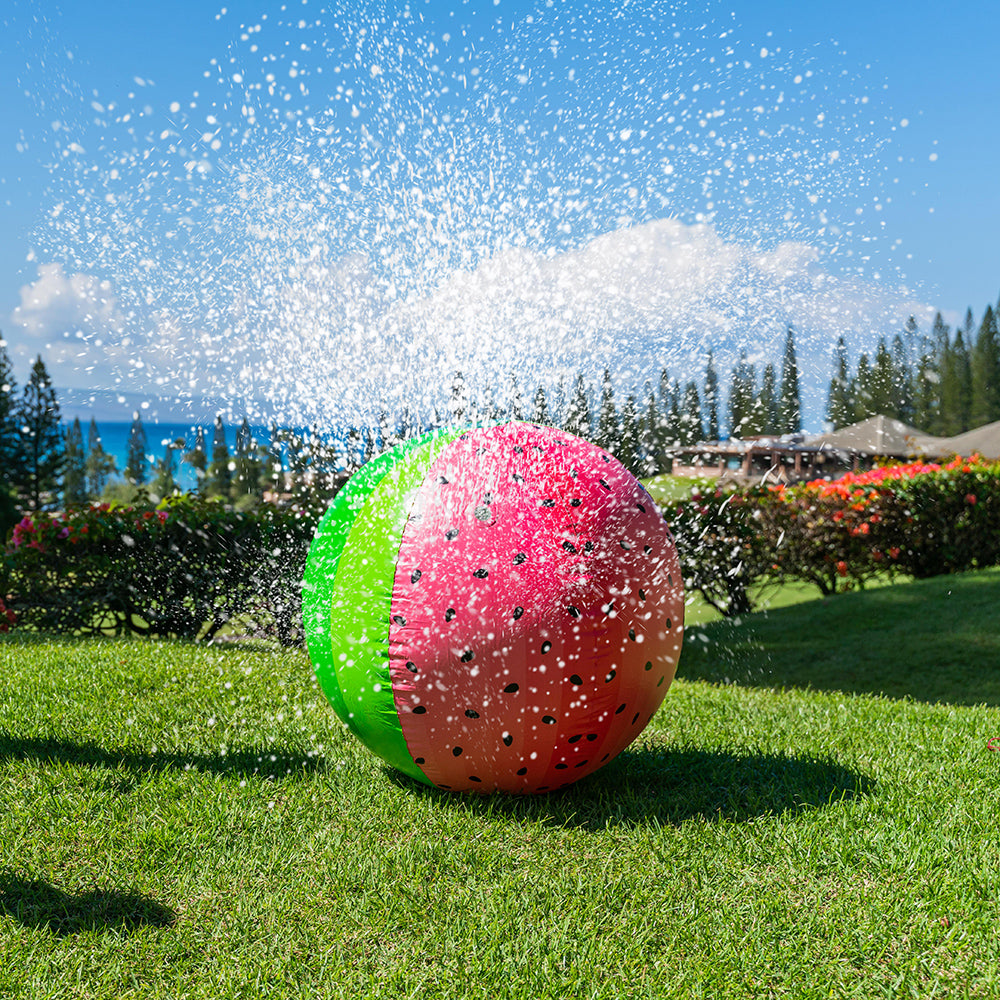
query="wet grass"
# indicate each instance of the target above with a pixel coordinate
(187, 821)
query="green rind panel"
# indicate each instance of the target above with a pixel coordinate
(321, 568)
(347, 598)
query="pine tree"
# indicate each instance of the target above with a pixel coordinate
(11, 456)
(790, 399)
(692, 429)
(578, 420)
(540, 409)
(740, 396)
(861, 390)
(246, 480)
(99, 465)
(652, 439)
(629, 453)
(165, 471)
(197, 458)
(516, 399)
(710, 399)
(75, 466)
(927, 382)
(839, 405)
(675, 432)
(136, 462)
(42, 439)
(607, 418)
(985, 375)
(458, 404)
(902, 374)
(881, 388)
(220, 474)
(768, 402)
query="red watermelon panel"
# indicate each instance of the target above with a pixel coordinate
(536, 613)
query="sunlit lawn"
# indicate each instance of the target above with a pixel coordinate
(181, 821)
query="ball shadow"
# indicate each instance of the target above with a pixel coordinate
(36, 903)
(650, 785)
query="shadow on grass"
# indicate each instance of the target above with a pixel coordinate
(934, 640)
(36, 903)
(270, 763)
(661, 786)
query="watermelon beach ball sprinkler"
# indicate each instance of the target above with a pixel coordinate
(497, 608)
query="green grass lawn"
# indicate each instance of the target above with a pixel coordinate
(812, 813)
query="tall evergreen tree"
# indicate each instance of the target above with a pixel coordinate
(692, 428)
(458, 403)
(607, 417)
(839, 405)
(767, 404)
(11, 457)
(985, 376)
(540, 408)
(710, 399)
(882, 394)
(675, 432)
(903, 403)
(629, 453)
(99, 466)
(136, 462)
(41, 436)
(652, 439)
(578, 420)
(247, 459)
(861, 390)
(741, 393)
(220, 473)
(790, 398)
(516, 399)
(197, 458)
(165, 471)
(75, 466)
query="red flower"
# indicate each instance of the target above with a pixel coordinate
(842, 568)
(970, 499)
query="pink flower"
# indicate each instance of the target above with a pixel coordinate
(970, 499)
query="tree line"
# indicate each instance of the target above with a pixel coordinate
(942, 382)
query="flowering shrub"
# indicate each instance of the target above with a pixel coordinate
(7, 617)
(183, 568)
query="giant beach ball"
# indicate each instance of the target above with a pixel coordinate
(496, 608)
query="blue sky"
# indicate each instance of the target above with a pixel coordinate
(512, 187)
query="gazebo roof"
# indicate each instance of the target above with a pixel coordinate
(880, 435)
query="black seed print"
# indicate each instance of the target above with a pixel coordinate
(456, 751)
(588, 547)
(669, 624)
(518, 450)
(548, 720)
(561, 767)
(575, 502)
(519, 558)
(625, 544)
(574, 612)
(451, 534)
(670, 580)
(576, 739)
(605, 757)
(569, 547)
(440, 785)
(631, 634)
(442, 481)
(468, 656)
(518, 612)
(449, 614)
(661, 680)
(546, 646)
(547, 503)
(620, 709)
(573, 473)
(642, 594)
(576, 679)
(606, 458)
(470, 714)
(419, 709)
(481, 573)
(418, 760)
(411, 666)
(635, 718)
(511, 689)
(640, 506)
(582, 762)
(604, 484)
(507, 739)
(472, 777)
(399, 619)
(649, 664)
(607, 607)
(482, 513)
(646, 549)
(610, 677)
(415, 576)
(517, 477)
(591, 737)
(522, 771)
